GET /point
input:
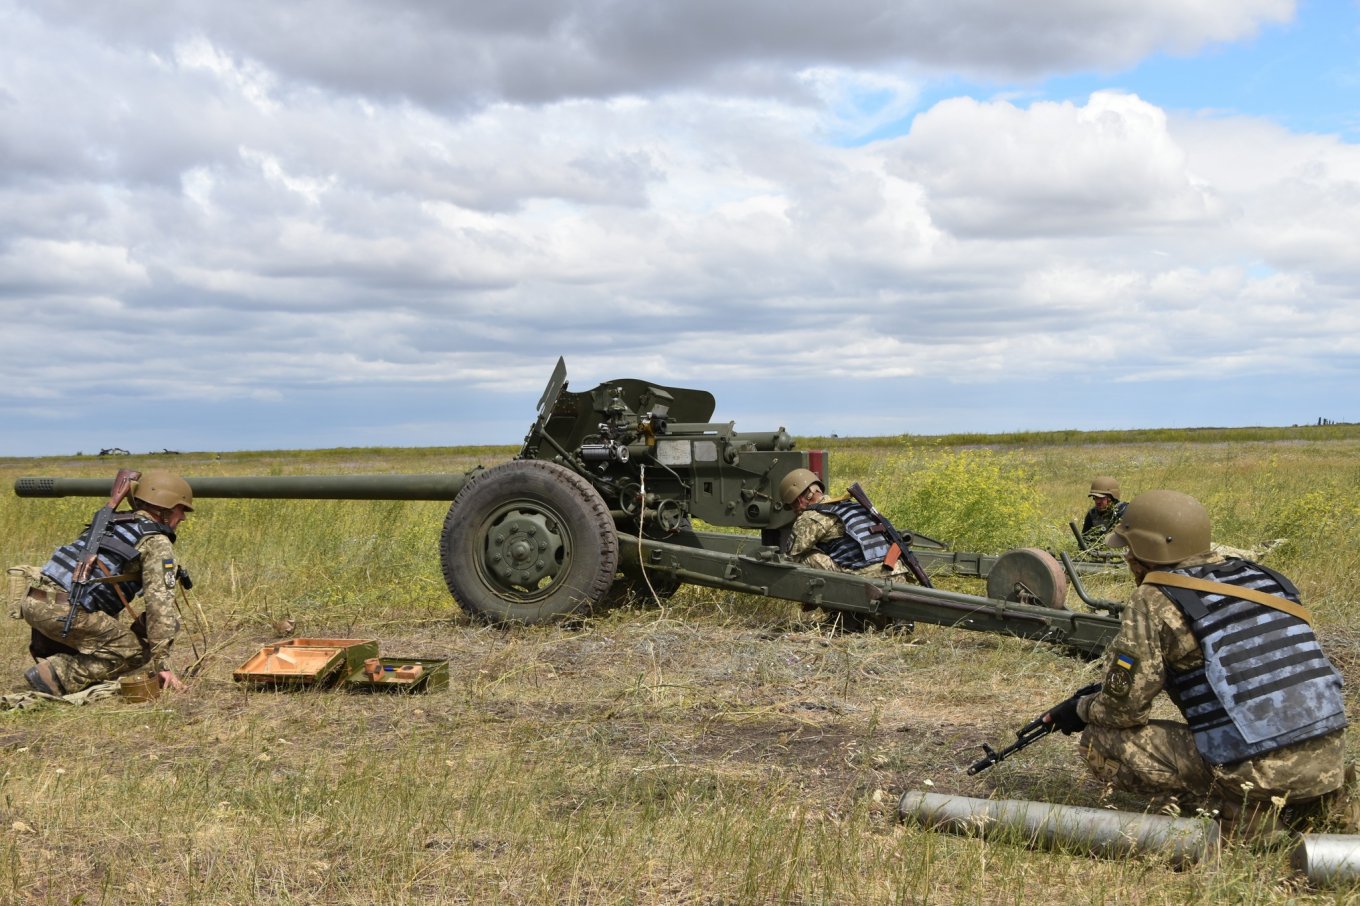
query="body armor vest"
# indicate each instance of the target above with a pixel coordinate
(859, 546)
(117, 549)
(1097, 524)
(1265, 683)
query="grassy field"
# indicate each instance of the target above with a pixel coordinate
(721, 749)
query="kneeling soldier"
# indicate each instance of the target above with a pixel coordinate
(83, 642)
(1229, 642)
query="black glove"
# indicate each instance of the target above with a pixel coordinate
(1063, 716)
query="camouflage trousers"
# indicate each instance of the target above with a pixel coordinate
(1160, 760)
(106, 647)
(898, 572)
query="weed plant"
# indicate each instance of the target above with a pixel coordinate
(717, 748)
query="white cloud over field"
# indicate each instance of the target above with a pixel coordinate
(330, 223)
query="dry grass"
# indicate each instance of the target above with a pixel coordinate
(722, 749)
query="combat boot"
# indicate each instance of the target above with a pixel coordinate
(42, 678)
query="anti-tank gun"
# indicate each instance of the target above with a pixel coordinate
(655, 457)
(613, 489)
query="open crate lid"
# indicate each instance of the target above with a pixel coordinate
(295, 664)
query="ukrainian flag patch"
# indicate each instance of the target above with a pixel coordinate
(1119, 679)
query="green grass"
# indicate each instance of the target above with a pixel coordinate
(1073, 437)
(722, 749)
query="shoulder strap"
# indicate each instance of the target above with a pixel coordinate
(1232, 591)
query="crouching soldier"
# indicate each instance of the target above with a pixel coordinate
(1229, 642)
(79, 643)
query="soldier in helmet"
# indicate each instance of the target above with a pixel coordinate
(136, 558)
(1105, 511)
(1230, 644)
(834, 534)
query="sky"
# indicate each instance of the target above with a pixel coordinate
(336, 223)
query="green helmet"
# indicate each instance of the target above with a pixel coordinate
(163, 489)
(795, 483)
(1104, 486)
(1161, 527)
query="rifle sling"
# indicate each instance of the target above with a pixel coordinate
(118, 589)
(1232, 591)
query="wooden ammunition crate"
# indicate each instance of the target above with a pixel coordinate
(291, 665)
(356, 650)
(434, 675)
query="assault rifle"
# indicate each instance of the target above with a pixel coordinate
(81, 576)
(901, 544)
(1031, 732)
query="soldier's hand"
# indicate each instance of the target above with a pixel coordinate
(1064, 717)
(170, 681)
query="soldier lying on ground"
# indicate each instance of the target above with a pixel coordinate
(836, 534)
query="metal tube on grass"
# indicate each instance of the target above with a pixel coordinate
(1097, 832)
(1329, 860)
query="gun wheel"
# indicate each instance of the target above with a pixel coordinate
(528, 541)
(1028, 576)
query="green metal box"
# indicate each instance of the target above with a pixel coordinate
(433, 675)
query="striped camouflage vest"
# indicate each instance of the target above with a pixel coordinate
(1265, 683)
(859, 546)
(117, 550)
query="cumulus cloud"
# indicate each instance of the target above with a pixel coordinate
(448, 195)
(1108, 165)
(462, 54)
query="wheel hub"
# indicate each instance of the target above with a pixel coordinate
(523, 549)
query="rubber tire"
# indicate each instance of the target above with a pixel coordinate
(583, 548)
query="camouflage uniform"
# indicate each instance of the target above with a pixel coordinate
(1097, 524)
(106, 646)
(812, 528)
(1159, 757)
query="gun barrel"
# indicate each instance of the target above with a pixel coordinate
(274, 487)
